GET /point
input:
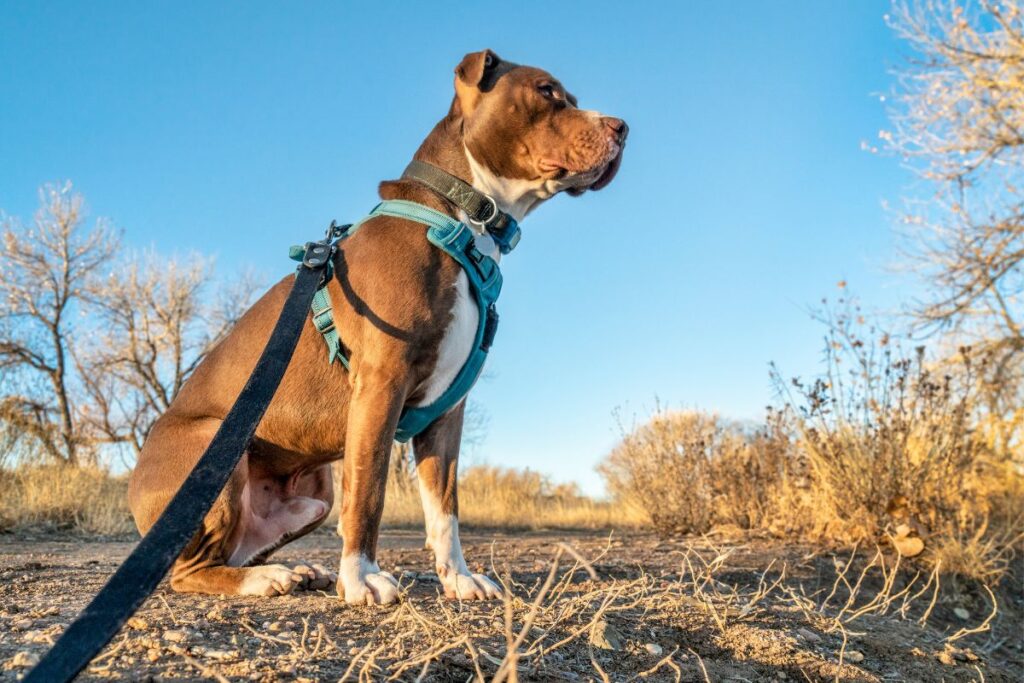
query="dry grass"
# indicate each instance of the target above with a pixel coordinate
(879, 449)
(575, 620)
(87, 500)
(509, 498)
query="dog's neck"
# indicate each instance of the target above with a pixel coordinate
(445, 148)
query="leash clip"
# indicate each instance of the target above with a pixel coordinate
(317, 255)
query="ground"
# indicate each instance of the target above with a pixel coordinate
(616, 607)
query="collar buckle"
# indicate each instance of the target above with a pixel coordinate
(488, 222)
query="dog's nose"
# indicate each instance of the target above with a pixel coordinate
(617, 127)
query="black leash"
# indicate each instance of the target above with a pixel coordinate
(138, 576)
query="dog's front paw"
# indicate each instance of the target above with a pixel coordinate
(380, 588)
(361, 582)
(468, 586)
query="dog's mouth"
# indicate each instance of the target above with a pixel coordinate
(579, 180)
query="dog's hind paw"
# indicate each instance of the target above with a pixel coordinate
(315, 576)
(271, 580)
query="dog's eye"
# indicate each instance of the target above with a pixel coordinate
(549, 91)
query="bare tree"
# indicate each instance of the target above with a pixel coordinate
(43, 275)
(959, 122)
(158, 318)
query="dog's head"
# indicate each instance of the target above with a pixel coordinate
(522, 129)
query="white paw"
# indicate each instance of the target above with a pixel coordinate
(315, 576)
(469, 586)
(375, 588)
(270, 580)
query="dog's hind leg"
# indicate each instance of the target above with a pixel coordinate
(437, 457)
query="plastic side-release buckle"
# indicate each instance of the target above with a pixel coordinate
(490, 328)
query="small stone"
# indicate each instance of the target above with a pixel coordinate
(214, 615)
(604, 636)
(781, 675)
(808, 635)
(175, 636)
(24, 659)
(854, 656)
(36, 637)
(138, 623)
(22, 624)
(152, 654)
(908, 546)
(350, 642)
(654, 649)
(275, 627)
(353, 651)
(961, 613)
(266, 625)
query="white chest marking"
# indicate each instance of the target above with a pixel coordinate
(456, 344)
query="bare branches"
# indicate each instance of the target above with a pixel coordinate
(111, 348)
(958, 121)
(43, 276)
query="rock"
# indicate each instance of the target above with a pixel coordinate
(275, 627)
(152, 654)
(353, 651)
(138, 623)
(654, 649)
(36, 637)
(22, 624)
(604, 636)
(961, 613)
(176, 636)
(808, 635)
(908, 546)
(854, 656)
(24, 659)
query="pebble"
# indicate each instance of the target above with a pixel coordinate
(961, 613)
(808, 635)
(353, 651)
(23, 624)
(36, 637)
(138, 623)
(24, 659)
(854, 656)
(604, 636)
(175, 636)
(350, 642)
(275, 627)
(152, 654)
(654, 649)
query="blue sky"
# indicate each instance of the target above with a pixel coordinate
(237, 129)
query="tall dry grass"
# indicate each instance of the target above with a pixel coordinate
(509, 498)
(60, 497)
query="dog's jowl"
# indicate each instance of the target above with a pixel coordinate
(408, 321)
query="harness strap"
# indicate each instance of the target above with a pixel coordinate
(481, 209)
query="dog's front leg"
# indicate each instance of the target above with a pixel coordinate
(437, 458)
(372, 419)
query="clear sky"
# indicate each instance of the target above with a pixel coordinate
(238, 129)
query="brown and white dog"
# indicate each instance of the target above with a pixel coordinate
(408, 323)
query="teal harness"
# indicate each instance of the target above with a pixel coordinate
(458, 241)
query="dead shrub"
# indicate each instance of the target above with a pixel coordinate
(688, 470)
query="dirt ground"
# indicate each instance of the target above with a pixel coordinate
(615, 608)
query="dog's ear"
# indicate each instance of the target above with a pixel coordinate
(473, 75)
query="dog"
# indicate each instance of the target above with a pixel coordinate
(515, 134)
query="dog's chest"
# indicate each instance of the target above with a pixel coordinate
(456, 344)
